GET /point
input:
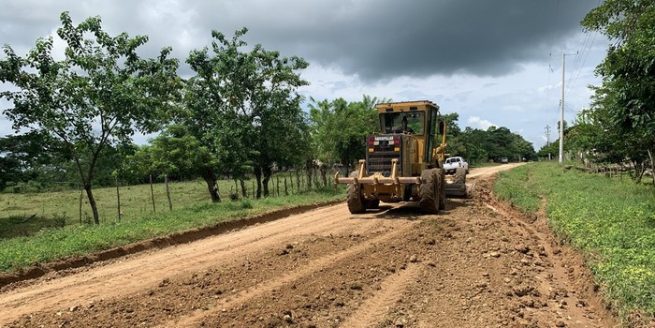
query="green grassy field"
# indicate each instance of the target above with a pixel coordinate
(26, 214)
(612, 221)
(43, 227)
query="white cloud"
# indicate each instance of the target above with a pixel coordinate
(477, 122)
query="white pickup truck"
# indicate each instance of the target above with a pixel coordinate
(452, 163)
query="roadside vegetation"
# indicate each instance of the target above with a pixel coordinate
(611, 220)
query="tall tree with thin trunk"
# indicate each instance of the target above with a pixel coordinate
(101, 93)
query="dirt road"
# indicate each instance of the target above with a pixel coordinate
(477, 264)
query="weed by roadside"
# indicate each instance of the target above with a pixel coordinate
(612, 221)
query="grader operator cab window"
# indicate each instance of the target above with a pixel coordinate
(406, 122)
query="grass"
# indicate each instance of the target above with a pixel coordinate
(611, 220)
(51, 234)
(26, 214)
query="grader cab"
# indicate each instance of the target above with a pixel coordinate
(404, 161)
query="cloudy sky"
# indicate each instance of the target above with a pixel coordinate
(493, 62)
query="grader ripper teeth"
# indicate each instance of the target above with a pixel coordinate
(403, 161)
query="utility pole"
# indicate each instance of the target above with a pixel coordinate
(561, 113)
(547, 135)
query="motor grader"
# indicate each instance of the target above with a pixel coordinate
(404, 161)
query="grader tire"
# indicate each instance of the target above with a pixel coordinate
(373, 204)
(442, 189)
(429, 191)
(356, 202)
(460, 175)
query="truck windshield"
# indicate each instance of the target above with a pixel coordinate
(407, 122)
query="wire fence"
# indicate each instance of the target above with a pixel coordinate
(124, 201)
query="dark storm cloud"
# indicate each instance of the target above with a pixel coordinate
(373, 39)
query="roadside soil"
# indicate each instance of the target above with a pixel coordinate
(477, 264)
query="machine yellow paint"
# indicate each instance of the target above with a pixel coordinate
(416, 155)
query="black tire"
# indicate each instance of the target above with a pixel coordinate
(428, 192)
(460, 176)
(356, 202)
(442, 189)
(373, 204)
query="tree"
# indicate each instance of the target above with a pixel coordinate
(244, 106)
(339, 128)
(174, 152)
(101, 93)
(628, 71)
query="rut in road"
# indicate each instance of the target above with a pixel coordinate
(311, 267)
(373, 309)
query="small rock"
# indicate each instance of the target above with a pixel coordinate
(494, 254)
(73, 308)
(413, 259)
(356, 286)
(289, 246)
(431, 242)
(522, 248)
(283, 252)
(560, 324)
(287, 318)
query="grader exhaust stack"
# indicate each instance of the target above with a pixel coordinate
(403, 161)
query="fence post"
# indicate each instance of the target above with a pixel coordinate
(81, 192)
(152, 195)
(118, 199)
(277, 184)
(286, 190)
(168, 193)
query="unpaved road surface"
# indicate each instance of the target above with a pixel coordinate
(477, 264)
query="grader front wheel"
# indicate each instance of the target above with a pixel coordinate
(356, 201)
(429, 191)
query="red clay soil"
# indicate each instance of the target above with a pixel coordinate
(475, 265)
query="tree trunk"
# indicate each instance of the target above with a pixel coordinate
(639, 171)
(212, 187)
(267, 177)
(652, 165)
(258, 182)
(244, 192)
(298, 179)
(168, 193)
(92, 203)
(152, 195)
(323, 175)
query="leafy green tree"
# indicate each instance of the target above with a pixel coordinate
(101, 93)
(244, 106)
(339, 128)
(628, 71)
(175, 152)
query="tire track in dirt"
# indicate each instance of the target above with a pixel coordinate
(373, 309)
(135, 273)
(266, 286)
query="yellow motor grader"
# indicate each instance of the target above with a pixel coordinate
(404, 161)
